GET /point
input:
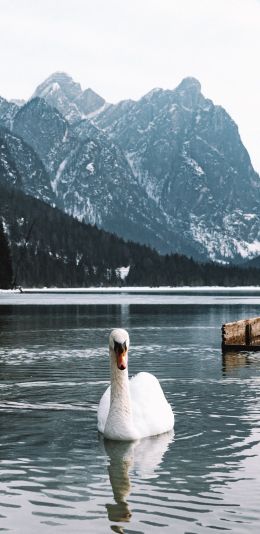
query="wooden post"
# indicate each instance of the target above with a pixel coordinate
(248, 333)
(241, 335)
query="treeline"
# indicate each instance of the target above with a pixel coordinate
(6, 271)
(49, 248)
(177, 270)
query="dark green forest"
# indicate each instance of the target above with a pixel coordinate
(48, 248)
(6, 272)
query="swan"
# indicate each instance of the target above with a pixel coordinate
(131, 409)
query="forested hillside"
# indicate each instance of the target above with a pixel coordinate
(6, 274)
(51, 249)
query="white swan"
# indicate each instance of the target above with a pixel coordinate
(134, 409)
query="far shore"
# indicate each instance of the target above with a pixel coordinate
(125, 289)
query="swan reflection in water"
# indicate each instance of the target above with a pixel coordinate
(142, 457)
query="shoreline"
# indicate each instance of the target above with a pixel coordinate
(132, 295)
(129, 289)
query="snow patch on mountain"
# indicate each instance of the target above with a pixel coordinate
(247, 250)
(55, 182)
(194, 164)
(249, 216)
(97, 112)
(143, 177)
(84, 210)
(5, 227)
(52, 88)
(90, 168)
(122, 272)
(224, 244)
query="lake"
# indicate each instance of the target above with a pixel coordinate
(58, 475)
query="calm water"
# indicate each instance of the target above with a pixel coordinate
(57, 475)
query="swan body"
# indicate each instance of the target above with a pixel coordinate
(131, 409)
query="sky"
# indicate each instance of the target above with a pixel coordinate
(124, 48)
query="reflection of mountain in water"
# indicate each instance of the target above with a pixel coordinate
(143, 457)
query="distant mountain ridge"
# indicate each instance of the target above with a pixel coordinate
(168, 170)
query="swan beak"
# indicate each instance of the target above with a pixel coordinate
(121, 360)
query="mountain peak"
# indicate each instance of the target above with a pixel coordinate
(60, 76)
(59, 81)
(189, 83)
(188, 93)
(62, 92)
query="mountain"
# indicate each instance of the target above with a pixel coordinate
(40, 245)
(188, 156)
(95, 183)
(60, 91)
(168, 170)
(91, 177)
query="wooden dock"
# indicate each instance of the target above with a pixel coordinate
(241, 335)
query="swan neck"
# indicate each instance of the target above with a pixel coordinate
(119, 423)
(119, 384)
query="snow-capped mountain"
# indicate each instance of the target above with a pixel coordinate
(60, 91)
(168, 170)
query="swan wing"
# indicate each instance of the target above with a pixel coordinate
(152, 414)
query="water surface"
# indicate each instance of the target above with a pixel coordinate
(57, 475)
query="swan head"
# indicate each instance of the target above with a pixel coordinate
(119, 344)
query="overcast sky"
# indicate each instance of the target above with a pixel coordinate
(124, 48)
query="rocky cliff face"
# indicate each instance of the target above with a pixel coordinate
(21, 167)
(43, 128)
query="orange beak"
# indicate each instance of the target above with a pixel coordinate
(121, 360)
